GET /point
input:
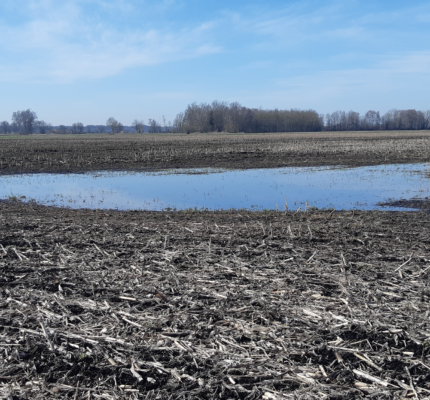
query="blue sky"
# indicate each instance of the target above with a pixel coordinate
(88, 60)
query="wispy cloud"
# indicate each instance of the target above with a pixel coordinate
(324, 54)
(329, 22)
(297, 23)
(388, 68)
(397, 76)
(60, 42)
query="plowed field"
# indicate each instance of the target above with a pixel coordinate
(225, 305)
(82, 153)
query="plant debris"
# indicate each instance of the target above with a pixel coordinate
(203, 305)
(144, 152)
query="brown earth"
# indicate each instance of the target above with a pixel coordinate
(81, 153)
(419, 204)
(146, 305)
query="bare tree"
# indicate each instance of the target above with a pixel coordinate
(154, 126)
(353, 121)
(17, 122)
(62, 129)
(427, 119)
(221, 116)
(372, 120)
(24, 120)
(43, 127)
(114, 125)
(138, 125)
(77, 128)
(101, 129)
(14, 127)
(5, 127)
(179, 123)
(164, 124)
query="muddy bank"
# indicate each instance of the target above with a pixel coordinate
(419, 204)
(222, 305)
(76, 153)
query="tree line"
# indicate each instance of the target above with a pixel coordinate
(221, 116)
(26, 122)
(372, 120)
(224, 117)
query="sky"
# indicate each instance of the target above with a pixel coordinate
(88, 60)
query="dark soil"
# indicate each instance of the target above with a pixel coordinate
(126, 305)
(419, 204)
(82, 153)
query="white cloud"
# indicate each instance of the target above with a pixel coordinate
(297, 23)
(400, 79)
(117, 52)
(329, 23)
(60, 42)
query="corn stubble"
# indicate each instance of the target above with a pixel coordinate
(43, 153)
(226, 305)
(202, 305)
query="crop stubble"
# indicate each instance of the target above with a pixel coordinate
(222, 305)
(76, 153)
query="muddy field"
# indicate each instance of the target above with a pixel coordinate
(226, 305)
(419, 204)
(80, 153)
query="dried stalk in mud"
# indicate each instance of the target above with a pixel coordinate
(145, 305)
(73, 153)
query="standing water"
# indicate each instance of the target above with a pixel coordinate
(328, 187)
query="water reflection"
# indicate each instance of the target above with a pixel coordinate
(348, 188)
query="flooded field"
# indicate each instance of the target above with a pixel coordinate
(256, 189)
(219, 304)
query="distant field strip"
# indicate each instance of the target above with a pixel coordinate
(79, 153)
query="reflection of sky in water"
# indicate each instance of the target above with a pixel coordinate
(359, 188)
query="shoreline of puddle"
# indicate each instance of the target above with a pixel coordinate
(209, 189)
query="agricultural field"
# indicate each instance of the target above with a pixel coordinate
(322, 304)
(80, 153)
(223, 305)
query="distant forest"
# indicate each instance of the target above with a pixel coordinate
(224, 117)
(221, 116)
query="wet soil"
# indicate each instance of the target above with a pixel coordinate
(82, 153)
(205, 305)
(419, 204)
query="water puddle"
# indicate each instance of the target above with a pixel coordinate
(338, 188)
